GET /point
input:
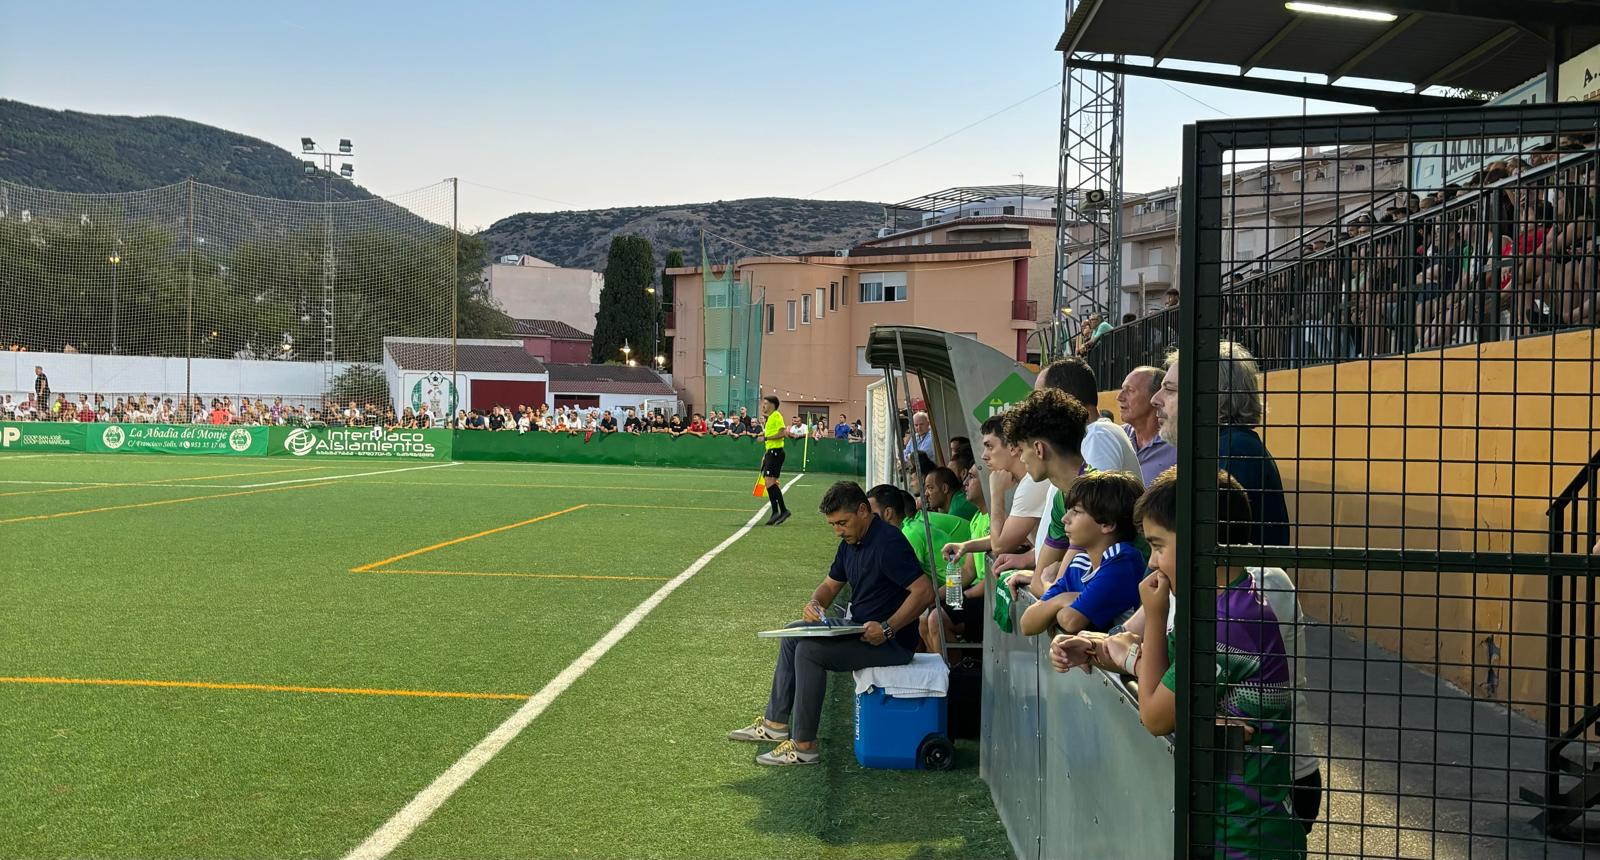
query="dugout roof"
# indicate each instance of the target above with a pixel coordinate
(1490, 45)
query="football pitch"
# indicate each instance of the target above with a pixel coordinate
(220, 657)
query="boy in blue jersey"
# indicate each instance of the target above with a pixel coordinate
(1099, 587)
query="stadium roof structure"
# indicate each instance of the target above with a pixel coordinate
(606, 379)
(1482, 45)
(973, 194)
(549, 328)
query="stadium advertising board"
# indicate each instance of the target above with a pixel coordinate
(33, 436)
(345, 442)
(1011, 390)
(174, 439)
(100, 438)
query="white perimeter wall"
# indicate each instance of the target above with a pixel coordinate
(118, 375)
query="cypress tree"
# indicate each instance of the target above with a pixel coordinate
(627, 313)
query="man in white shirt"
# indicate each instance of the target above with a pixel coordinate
(8, 410)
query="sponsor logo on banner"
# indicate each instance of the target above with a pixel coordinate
(239, 440)
(113, 437)
(300, 442)
(359, 442)
(10, 436)
(1011, 390)
(436, 391)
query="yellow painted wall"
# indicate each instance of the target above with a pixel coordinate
(1455, 450)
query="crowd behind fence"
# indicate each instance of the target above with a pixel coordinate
(1510, 253)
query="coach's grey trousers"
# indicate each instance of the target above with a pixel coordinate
(801, 678)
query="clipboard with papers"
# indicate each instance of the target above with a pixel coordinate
(822, 629)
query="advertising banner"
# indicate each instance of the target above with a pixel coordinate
(38, 436)
(174, 439)
(351, 442)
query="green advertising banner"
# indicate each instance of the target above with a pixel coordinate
(352, 442)
(38, 436)
(174, 439)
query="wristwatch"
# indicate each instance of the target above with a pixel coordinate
(888, 632)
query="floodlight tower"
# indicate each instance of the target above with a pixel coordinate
(347, 170)
(1088, 273)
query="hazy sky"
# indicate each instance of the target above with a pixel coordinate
(607, 103)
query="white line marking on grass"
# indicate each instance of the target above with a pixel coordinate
(341, 477)
(411, 816)
(22, 456)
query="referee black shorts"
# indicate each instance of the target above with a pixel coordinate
(772, 463)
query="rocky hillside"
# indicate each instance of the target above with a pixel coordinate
(776, 224)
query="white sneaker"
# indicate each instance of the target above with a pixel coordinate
(759, 732)
(785, 754)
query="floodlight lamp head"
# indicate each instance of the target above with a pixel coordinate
(310, 167)
(307, 144)
(347, 170)
(344, 144)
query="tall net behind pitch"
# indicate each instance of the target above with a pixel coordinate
(191, 291)
(733, 317)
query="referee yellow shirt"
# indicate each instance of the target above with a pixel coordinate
(775, 425)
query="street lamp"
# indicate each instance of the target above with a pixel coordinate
(115, 260)
(626, 351)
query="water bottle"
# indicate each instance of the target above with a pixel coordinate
(952, 585)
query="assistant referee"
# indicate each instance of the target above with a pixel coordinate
(772, 458)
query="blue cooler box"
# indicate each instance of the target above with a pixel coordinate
(901, 734)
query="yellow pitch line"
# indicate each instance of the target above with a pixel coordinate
(522, 575)
(158, 502)
(367, 567)
(263, 688)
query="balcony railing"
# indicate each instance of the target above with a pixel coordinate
(1024, 309)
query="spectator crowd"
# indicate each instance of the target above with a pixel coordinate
(43, 405)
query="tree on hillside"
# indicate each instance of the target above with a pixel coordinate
(627, 313)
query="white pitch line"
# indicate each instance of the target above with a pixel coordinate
(340, 477)
(21, 456)
(411, 816)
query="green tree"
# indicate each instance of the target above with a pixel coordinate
(477, 315)
(627, 313)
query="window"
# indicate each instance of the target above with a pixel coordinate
(820, 301)
(862, 368)
(772, 318)
(969, 335)
(805, 309)
(1008, 210)
(1155, 257)
(717, 299)
(791, 315)
(883, 286)
(844, 289)
(833, 296)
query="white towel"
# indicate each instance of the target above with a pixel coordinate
(926, 675)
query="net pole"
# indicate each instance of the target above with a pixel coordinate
(188, 351)
(455, 263)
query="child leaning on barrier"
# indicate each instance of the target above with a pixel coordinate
(1255, 814)
(1099, 587)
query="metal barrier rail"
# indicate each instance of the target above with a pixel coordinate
(1065, 755)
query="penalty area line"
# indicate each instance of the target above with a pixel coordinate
(411, 816)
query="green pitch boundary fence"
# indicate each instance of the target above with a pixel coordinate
(827, 455)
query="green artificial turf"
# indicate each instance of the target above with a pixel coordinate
(255, 586)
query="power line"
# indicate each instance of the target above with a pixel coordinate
(1015, 104)
(1195, 99)
(519, 193)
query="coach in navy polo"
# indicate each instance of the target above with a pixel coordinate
(887, 594)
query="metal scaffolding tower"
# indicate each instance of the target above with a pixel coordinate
(1089, 217)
